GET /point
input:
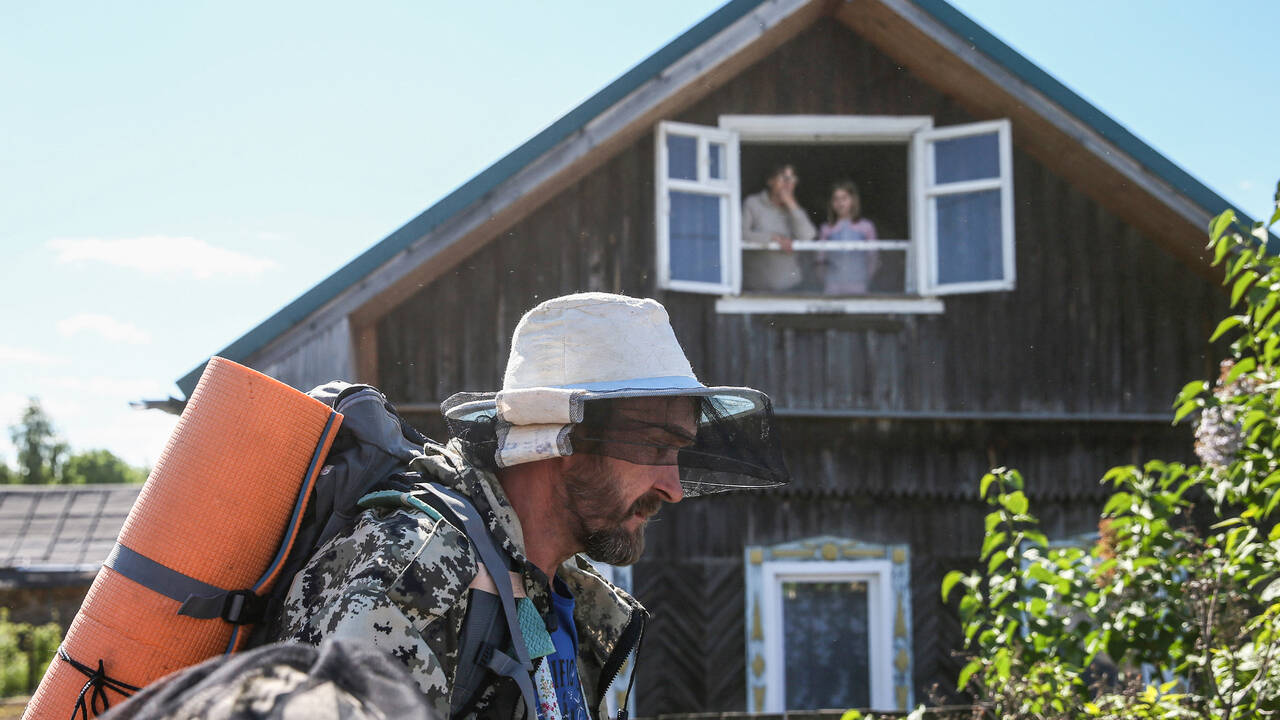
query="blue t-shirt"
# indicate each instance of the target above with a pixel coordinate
(564, 661)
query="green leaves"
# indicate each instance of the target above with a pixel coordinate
(949, 582)
(986, 485)
(1242, 366)
(1242, 283)
(1188, 595)
(1015, 502)
(962, 681)
(1229, 322)
(1219, 225)
(1120, 502)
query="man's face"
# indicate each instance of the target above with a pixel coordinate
(628, 470)
(783, 181)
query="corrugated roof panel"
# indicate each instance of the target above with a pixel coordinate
(61, 525)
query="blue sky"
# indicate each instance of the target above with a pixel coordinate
(172, 174)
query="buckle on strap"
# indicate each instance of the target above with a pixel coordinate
(238, 607)
(234, 605)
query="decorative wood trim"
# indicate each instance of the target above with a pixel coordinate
(820, 558)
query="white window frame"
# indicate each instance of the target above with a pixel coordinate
(877, 575)
(837, 129)
(726, 188)
(914, 131)
(924, 187)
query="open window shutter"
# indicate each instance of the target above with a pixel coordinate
(964, 183)
(698, 210)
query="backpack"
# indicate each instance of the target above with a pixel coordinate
(367, 467)
(373, 447)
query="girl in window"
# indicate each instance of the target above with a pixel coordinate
(847, 272)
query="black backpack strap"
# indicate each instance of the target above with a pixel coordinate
(482, 637)
(459, 509)
(481, 629)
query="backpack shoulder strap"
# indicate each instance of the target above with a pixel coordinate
(439, 502)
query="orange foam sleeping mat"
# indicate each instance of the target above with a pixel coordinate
(215, 519)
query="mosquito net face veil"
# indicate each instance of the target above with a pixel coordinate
(604, 375)
(719, 442)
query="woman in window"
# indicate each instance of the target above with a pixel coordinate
(773, 216)
(847, 272)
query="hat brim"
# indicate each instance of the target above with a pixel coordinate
(730, 401)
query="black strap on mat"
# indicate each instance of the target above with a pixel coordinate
(99, 682)
(199, 599)
(520, 668)
(154, 576)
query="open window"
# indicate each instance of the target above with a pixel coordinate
(966, 185)
(937, 205)
(697, 204)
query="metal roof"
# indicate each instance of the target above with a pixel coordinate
(61, 528)
(490, 178)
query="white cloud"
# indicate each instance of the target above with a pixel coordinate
(138, 436)
(28, 356)
(1245, 185)
(123, 390)
(161, 254)
(104, 326)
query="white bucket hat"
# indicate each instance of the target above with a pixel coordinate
(576, 348)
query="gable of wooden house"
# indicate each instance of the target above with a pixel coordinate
(1062, 360)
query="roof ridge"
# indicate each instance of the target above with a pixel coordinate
(495, 174)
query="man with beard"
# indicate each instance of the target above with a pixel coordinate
(600, 421)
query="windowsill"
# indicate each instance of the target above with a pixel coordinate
(793, 305)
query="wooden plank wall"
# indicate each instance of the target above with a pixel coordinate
(692, 580)
(1102, 321)
(325, 356)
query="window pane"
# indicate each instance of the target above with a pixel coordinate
(966, 158)
(695, 237)
(682, 157)
(970, 247)
(717, 160)
(827, 645)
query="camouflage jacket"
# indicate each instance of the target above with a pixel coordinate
(399, 578)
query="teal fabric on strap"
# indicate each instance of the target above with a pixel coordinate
(534, 629)
(395, 498)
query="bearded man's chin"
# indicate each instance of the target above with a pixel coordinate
(619, 548)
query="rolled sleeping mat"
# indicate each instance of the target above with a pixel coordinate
(204, 541)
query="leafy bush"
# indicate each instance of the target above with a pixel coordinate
(25, 652)
(1175, 611)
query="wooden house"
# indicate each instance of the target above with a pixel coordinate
(1039, 297)
(52, 542)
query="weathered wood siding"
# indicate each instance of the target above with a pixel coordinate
(1102, 322)
(323, 356)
